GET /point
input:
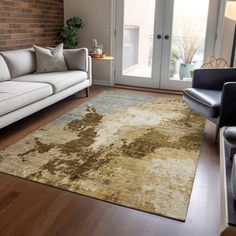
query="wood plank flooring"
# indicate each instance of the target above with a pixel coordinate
(28, 208)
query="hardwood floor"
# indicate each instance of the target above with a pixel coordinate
(28, 208)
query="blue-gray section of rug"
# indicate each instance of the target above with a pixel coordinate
(107, 102)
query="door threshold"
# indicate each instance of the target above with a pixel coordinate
(140, 88)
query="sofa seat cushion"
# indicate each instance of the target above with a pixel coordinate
(207, 102)
(59, 80)
(15, 95)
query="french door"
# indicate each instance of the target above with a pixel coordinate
(160, 42)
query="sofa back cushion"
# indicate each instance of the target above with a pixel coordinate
(4, 72)
(20, 62)
(76, 59)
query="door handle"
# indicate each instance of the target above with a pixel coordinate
(167, 37)
(159, 36)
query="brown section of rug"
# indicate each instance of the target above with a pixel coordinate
(136, 151)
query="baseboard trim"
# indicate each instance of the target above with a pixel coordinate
(101, 82)
(166, 91)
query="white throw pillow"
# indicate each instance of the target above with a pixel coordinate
(50, 60)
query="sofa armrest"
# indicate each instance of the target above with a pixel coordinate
(90, 70)
(213, 79)
(228, 105)
(76, 59)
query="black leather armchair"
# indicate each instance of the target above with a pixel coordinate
(213, 95)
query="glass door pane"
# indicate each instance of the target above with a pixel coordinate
(188, 38)
(138, 31)
(159, 43)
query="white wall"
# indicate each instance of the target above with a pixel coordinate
(227, 39)
(225, 34)
(97, 16)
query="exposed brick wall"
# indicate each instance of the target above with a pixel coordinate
(27, 22)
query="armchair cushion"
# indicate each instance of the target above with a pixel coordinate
(207, 102)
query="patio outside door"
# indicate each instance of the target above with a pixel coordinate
(160, 42)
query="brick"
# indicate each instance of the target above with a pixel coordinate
(27, 22)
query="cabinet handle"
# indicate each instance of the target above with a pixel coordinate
(167, 37)
(158, 36)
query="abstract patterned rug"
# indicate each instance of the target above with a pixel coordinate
(129, 149)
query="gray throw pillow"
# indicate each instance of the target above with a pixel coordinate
(50, 60)
(76, 59)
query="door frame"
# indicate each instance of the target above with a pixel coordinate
(217, 39)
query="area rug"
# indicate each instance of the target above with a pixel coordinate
(125, 148)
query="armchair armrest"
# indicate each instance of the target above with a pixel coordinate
(213, 79)
(228, 105)
(76, 59)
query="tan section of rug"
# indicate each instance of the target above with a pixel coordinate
(143, 155)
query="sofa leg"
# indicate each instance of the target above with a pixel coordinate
(87, 91)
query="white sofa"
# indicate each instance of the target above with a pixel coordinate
(24, 92)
